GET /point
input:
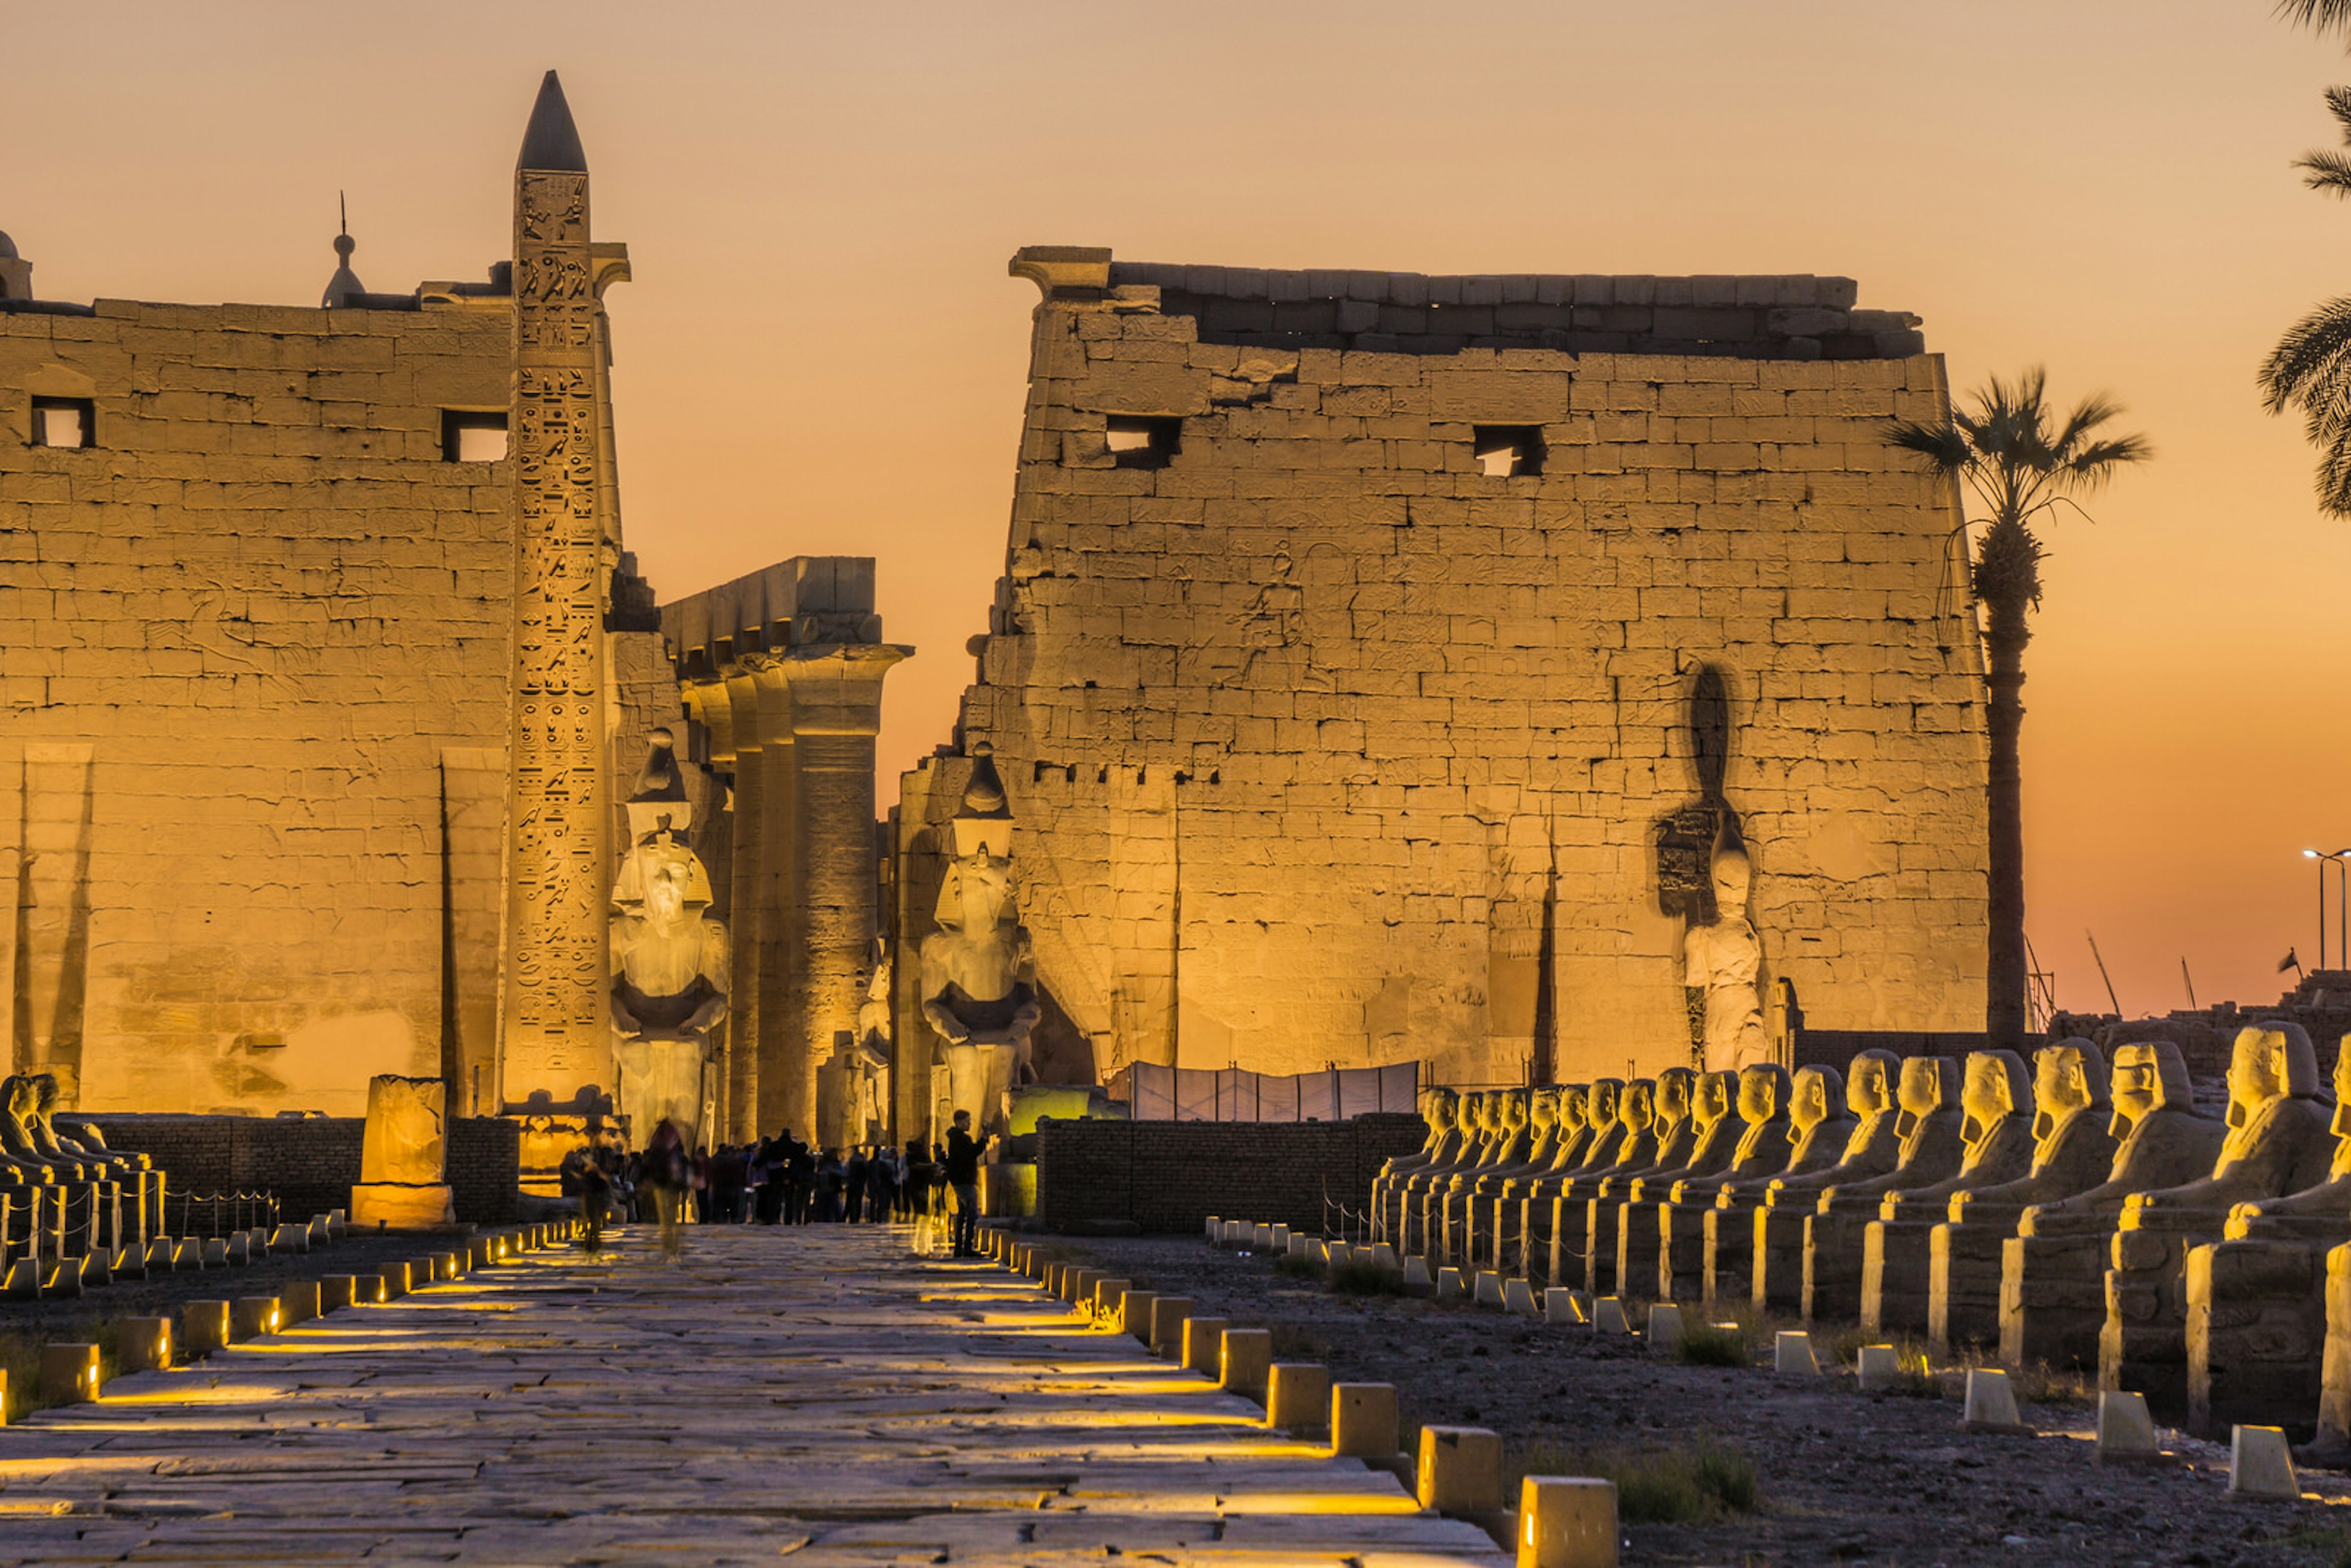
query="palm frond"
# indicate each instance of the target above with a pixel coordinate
(2318, 16)
(2326, 171)
(2311, 348)
(1944, 447)
(2339, 104)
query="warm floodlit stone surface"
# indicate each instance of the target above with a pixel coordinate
(815, 1389)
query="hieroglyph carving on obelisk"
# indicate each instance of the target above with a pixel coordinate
(555, 1036)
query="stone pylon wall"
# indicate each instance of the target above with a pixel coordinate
(1304, 715)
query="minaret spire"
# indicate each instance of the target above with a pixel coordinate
(345, 286)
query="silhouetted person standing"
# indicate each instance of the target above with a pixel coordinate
(963, 1177)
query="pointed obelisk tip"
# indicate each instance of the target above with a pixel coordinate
(551, 143)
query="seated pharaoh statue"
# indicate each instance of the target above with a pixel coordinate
(1436, 1114)
(2072, 1149)
(1716, 1131)
(1506, 1148)
(1637, 1113)
(978, 968)
(1535, 1152)
(1872, 1149)
(1996, 1138)
(2257, 1301)
(1839, 1225)
(2278, 1143)
(1673, 1132)
(1570, 1135)
(669, 958)
(2053, 1289)
(1479, 1120)
(1603, 1134)
(1765, 1131)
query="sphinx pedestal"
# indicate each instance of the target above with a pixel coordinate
(1638, 1237)
(2052, 1298)
(1832, 1257)
(1897, 1274)
(1535, 1236)
(1776, 1274)
(1963, 1267)
(1602, 1217)
(1569, 1227)
(1727, 1248)
(2256, 1336)
(2143, 1343)
(1682, 1250)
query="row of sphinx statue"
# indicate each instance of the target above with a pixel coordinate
(2067, 1213)
(61, 1188)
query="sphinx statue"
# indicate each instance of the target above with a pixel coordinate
(1636, 1114)
(2278, 1144)
(2072, 1149)
(2257, 1317)
(1871, 1148)
(1480, 1118)
(669, 958)
(978, 984)
(1673, 1132)
(1570, 1132)
(1439, 1107)
(1603, 1134)
(1715, 1130)
(1721, 962)
(22, 1160)
(1838, 1226)
(1996, 1148)
(1508, 1147)
(1533, 1153)
(2052, 1294)
(1765, 1128)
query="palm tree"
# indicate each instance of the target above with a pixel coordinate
(2005, 451)
(2309, 369)
(2320, 15)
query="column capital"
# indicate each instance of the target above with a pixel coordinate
(836, 687)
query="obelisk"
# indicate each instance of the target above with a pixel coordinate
(553, 1031)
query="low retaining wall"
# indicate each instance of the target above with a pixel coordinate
(1171, 1175)
(310, 1162)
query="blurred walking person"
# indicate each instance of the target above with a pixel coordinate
(665, 1176)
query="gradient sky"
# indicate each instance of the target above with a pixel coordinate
(822, 354)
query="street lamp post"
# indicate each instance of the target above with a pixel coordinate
(2342, 903)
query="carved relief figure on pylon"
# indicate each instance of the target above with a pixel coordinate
(979, 977)
(669, 958)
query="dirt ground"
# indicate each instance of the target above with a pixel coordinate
(1877, 1479)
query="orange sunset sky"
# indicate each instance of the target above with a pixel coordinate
(822, 354)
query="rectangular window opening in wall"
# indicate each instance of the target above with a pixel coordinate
(65, 422)
(473, 436)
(1508, 451)
(1143, 441)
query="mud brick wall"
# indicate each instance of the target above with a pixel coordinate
(309, 1162)
(1313, 722)
(1171, 1175)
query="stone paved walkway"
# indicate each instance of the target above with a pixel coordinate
(810, 1395)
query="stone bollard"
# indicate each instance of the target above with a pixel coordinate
(1050, 1277)
(1261, 1237)
(1417, 1280)
(1664, 1334)
(1300, 1246)
(1108, 1297)
(1450, 1287)
(1364, 1421)
(1567, 1521)
(1876, 1369)
(143, 1345)
(1246, 1357)
(298, 1302)
(68, 1374)
(1279, 1241)
(2259, 1462)
(1167, 1315)
(1561, 1305)
(1215, 1228)
(254, 1315)
(1460, 1470)
(1992, 1405)
(337, 1291)
(1792, 1354)
(1297, 1396)
(1135, 1313)
(395, 1279)
(215, 1253)
(1078, 1284)
(204, 1327)
(1489, 1287)
(2126, 1431)
(1518, 1297)
(1204, 1345)
(1608, 1316)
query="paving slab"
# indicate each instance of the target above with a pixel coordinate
(813, 1395)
